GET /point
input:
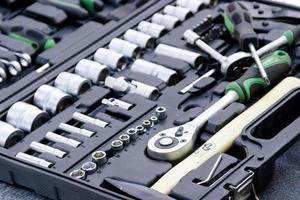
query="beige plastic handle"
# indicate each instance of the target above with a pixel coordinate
(224, 138)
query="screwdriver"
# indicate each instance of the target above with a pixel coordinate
(37, 39)
(289, 37)
(165, 146)
(238, 22)
(224, 139)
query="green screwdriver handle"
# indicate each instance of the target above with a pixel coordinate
(293, 36)
(238, 21)
(277, 66)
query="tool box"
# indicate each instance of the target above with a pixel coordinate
(147, 99)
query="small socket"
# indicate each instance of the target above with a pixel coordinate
(26, 117)
(72, 84)
(9, 135)
(161, 113)
(116, 145)
(99, 157)
(140, 129)
(125, 48)
(78, 174)
(132, 134)
(154, 120)
(51, 99)
(112, 59)
(177, 11)
(152, 29)
(147, 124)
(92, 70)
(89, 167)
(141, 39)
(168, 21)
(125, 138)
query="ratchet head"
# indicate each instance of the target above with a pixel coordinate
(173, 143)
(235, 64)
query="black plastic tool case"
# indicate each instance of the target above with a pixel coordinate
(253, 152)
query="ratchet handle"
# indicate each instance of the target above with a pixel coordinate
(277, 66)
(37, 39)
(238, 22)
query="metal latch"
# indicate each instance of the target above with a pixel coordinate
(243, 190)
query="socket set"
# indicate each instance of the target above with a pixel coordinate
(173, 99)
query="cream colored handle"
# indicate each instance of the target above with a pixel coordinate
(223, 139)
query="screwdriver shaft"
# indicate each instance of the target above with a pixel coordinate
(259, 64)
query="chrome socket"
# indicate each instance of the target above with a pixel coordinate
(140, 130)
(154, 120)
(116, 145)
(51, 99)
(90, 120)
(125, 138)
(89, 167)
(92, 70)
(152, 29)
(42, 148)
(192, 5)
(78, 174)
(161, 113)
(99, 157)
(53, 137)
(72, 84)
(26, 117)
(177, 11)
(190, 57)
(132, 134)
(117, 102)
(141, 39)
(142, 66)
(112, 59)
(168, 21)
(9, 135)
(144, 90)
(125, 48)
(147, 124)
(72, 129)
(34, 160)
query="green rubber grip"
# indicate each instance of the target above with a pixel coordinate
(37, 39)
(277, 65)
(293, 36)
(238, 21)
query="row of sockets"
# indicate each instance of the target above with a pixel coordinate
(115, 58)
(99, 158)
